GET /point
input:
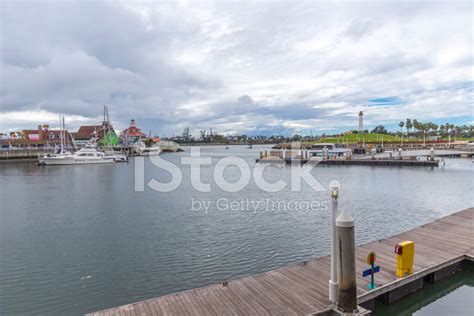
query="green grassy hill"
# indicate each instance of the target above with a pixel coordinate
(354, 138)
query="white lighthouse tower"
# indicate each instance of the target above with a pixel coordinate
(361, 122)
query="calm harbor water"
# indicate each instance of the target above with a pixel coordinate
(76, 239)
(450, 296)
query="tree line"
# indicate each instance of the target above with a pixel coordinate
(415, 127)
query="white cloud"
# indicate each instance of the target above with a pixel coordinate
(302, 66)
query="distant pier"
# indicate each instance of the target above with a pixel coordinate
(441, 248)
(356, 162)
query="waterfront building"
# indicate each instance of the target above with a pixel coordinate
(132, 134)
(155, 139)
(104, 134)
(35, 138)
(86, 133)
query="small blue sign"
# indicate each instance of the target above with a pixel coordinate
(371, 271)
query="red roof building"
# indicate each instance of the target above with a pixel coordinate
(132, 133)
(87, 132)
(40, 137)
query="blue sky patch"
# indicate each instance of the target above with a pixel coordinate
(394, 100)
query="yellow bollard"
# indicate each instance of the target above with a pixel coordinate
(405, 257)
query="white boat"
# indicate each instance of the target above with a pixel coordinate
(116, 156)
(143, 150)
(86, 155)
(332, 150)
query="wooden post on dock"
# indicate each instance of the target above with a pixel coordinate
(346, 272)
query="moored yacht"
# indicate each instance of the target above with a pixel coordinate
(332, 150)
(86, 155)
(143, 150)
(116, 156)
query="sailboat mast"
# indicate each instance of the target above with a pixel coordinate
(61, 132)
(65, 132)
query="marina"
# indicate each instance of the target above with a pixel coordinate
(442, 247)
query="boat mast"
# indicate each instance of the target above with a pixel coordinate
(61, 137)
(65, 132)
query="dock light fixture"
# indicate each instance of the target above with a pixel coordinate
(334, 186)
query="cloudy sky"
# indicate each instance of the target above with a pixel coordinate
(239, 67)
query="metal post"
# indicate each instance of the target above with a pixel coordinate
(432, 154)
(372, 284)
(334, 186)
(346, 272)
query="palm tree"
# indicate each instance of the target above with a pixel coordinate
(409, 125)
(401, 124)
(416, 124)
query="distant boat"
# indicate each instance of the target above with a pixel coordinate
(143, 150)
(86, 155)
(250, 146)
(332, 150)
(116, 156)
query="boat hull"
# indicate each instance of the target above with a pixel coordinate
(152, 153)
(51, 161)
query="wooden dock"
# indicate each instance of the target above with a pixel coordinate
(302, 289)
(355, 162)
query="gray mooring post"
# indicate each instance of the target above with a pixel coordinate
(373, 151)
(346, 270)
(334, 186)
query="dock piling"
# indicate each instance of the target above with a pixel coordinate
(334, 186)
(346, 272)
